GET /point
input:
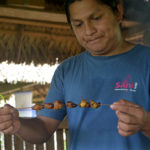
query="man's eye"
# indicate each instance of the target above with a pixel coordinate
(78, 25)
(96, 18)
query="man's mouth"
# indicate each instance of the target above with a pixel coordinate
(94, 40)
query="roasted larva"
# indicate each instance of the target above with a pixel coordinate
(71, 104)
(49, 105)
(58, 105)
(84, 103)
(93, 104)
(37, 107)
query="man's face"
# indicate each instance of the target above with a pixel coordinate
(95, 26)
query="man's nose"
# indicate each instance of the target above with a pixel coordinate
(89, 29)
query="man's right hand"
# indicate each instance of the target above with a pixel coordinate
(9, 119)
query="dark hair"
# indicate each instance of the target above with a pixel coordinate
(111, 3)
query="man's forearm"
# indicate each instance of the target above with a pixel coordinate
(33, 131)
(146, 129)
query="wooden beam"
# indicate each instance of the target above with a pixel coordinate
(127, 24)
(132, 38)
(36, 34)
(32, 15)
(9, 92)
(135, 31)
(34, 23)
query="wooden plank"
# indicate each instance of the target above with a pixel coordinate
(35, 23)
(18, 143)
(59, 37)
(39, 146)
(32, 15)
(67, 138)
(26, 2)
(8, 142)
(50, 143)
(129, 23)
(11, 88)
(60, 141)
(29, 146)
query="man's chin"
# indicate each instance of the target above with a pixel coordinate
(96, 52)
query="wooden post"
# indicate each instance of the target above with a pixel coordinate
(29, 146)
(60, 141)
(67, 138)
(39, 146)
(50, 143)
(18, 143)
(8, 142)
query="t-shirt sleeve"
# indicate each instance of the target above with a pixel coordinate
(56, 92)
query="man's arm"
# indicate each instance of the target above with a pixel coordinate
(37, 130)
(34, 130)
(146, 128)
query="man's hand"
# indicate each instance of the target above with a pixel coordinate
(131, 117)
(9, 120)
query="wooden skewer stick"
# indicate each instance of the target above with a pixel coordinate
(105, 104)
(42, 106)
(23, 108)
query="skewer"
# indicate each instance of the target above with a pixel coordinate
(105, 104)
(59, 105)
(23, 108)
(43, 106)
(36, 106)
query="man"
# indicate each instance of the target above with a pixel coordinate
(110, 71)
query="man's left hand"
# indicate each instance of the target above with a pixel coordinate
(131, 117)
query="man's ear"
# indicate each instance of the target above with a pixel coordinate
(119, 13)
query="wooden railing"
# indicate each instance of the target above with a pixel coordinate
(58, 141)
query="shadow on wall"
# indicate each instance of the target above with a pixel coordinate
(146, 37)
(137, 10)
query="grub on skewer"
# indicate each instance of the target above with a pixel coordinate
(58, 105)
(37, 107)
(71, 104)
(95, 105)
(49, 105)
(84, 103)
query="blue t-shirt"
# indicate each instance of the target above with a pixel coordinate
(104, 79)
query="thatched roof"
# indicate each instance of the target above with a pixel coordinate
(40, 43)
